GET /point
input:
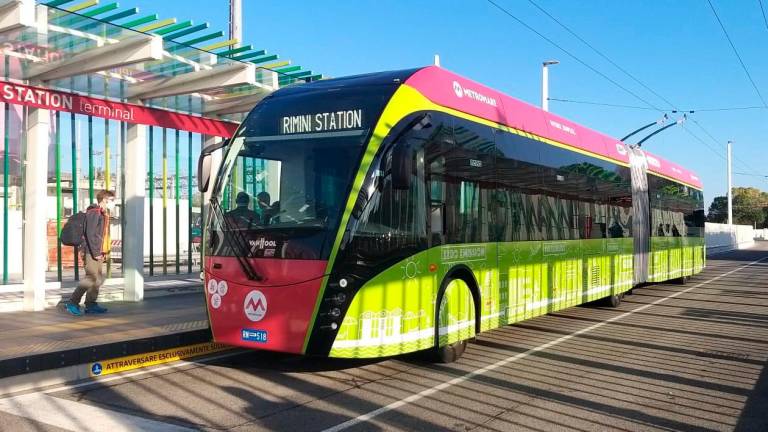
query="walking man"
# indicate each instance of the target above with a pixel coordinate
(94, 249)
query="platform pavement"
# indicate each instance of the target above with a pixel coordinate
(11, 296)
(33, 342)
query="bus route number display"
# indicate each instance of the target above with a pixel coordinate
(322, 122)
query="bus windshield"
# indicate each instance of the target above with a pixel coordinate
(282, 196)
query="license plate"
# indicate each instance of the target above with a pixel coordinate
(258, 336)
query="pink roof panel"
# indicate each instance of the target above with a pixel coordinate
(453, 91)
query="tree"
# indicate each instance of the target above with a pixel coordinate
(750, 207)
(718, 210)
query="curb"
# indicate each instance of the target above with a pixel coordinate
(39, 370)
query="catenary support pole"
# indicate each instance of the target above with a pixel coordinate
(236, 22)
(545, 83)
(730, 186)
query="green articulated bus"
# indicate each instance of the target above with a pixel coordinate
(403, 211)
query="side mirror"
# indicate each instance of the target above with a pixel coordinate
(204, 172)
(402, 166)
(402, 155)
(204, 163)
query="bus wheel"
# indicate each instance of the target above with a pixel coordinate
(449, 353)
(456, 319)
(683, 280)
(613, 300)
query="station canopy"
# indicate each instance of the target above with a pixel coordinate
(104, 50)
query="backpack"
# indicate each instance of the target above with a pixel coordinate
(73, 232)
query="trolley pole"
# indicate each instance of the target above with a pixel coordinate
(236, 22)
(730, 186)
(545, 83)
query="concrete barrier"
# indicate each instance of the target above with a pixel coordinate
(723, 237)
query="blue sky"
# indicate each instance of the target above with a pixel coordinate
(674, 47)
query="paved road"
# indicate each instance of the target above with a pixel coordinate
(671, 357)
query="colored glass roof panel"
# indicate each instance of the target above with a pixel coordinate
(230, 52)
(121, 15)
(173, 28)
(101, 10)
(84, 5)
(193, 29)
(140, 21)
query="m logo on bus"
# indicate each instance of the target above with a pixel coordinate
(457, 89)
(255, 305)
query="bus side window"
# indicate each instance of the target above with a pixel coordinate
(466, 171)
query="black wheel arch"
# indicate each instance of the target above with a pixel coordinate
(463, 272)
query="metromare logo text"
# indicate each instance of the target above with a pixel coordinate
(472, 94)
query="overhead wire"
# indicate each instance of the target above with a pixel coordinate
(753, 175)
(598, 52)
(627, 73)
(704, 143)
(690, 111)
(762, 9)
(602, 104)
(736, 52)
(573, 56)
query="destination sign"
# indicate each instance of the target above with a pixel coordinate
(322, 122)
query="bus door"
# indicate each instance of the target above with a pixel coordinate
(461, 193)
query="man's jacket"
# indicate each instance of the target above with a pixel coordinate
(94, 230)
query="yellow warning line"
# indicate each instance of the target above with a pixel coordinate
(122, 364)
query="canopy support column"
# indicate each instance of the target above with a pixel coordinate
(35, 254)
(135, 196)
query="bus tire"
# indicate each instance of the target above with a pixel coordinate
(450, 352)
(613, 300)
(683, 280)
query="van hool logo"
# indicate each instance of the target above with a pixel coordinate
(620, 149)
(462, 91)
(261, 243)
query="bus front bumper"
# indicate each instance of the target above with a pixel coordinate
(268, 317)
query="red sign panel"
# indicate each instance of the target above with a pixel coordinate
(61, 101)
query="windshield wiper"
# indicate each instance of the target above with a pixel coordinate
(240, 248)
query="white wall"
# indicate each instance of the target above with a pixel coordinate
(157, 218)
(722, 237)
(14, 244)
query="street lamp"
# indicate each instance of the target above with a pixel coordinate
(545, 83)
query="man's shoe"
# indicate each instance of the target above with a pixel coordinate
(94, 309)
(73, 309)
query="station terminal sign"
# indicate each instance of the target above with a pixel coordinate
(38, 97)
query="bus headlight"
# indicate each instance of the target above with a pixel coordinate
(339, 298)
(335, 312)
(343, 282)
